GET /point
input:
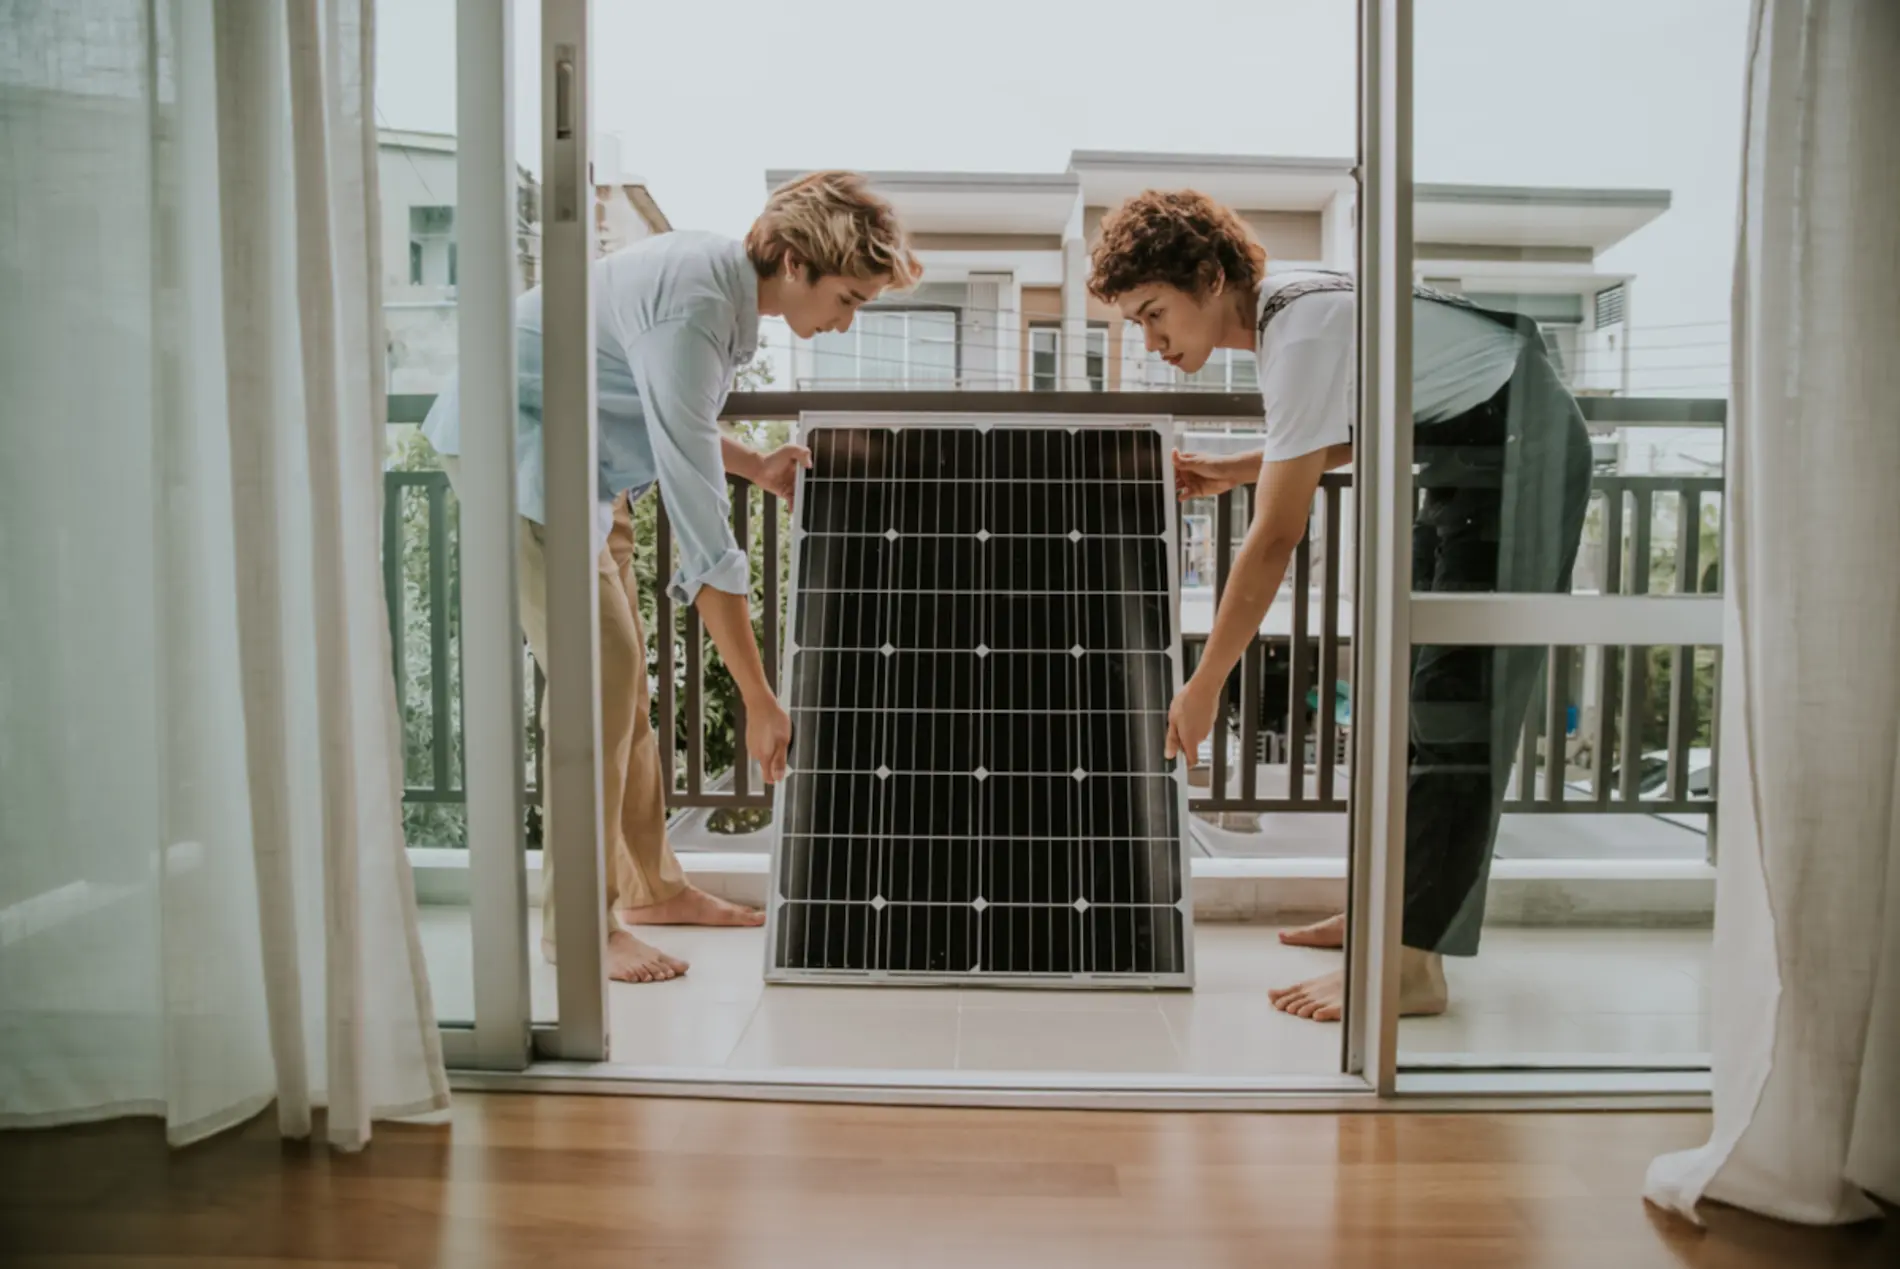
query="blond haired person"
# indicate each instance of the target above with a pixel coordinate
(675, 316)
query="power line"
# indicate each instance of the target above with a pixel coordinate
(420, 178)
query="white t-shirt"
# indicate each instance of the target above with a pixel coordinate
(1308, 362)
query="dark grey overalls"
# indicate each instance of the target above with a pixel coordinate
(1503, 489)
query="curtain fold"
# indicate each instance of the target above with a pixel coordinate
(205, 902)
(1807, 940)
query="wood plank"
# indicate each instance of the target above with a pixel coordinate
(585, 1182)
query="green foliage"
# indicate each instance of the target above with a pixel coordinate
(426, 823)
(1664, 568)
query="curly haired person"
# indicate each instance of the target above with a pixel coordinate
(1504, 475)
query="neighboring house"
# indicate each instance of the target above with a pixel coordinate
(1003, 301)
(624, 210)
(416, 173)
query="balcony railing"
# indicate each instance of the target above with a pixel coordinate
(1281, 739)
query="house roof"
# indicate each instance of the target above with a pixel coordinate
(1044, 202)
(1266, 182)
(971, 202)
(1532, 216)
(644, 203)
(406, 139)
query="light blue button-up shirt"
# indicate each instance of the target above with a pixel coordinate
(675, 316)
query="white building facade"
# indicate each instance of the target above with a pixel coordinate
(416, 172)
(1004, 301)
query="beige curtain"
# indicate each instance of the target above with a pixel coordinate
(205, 902)
(1807, 940)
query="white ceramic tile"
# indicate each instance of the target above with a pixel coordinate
(1250, 959)
(1055, 1000)
(450, 956)
(866, 1034)
(1680, 949)
(727, 966)
(1235, 1034)
(1119, 1040)
(1500, 1037)
(1530, 992)
(652, 1026)
(1546, 983)
(824, 999)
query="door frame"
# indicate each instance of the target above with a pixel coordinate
(570, 447)
(574, 1051)
(497, 1038)
(1393, 619)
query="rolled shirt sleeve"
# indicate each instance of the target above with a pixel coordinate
(1306, 366)
(681, 378)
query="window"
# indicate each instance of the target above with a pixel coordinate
(890, 348)
(432, 246)
(1046, 370)
(1228, 370)
(1560, 343)
(1609, 306)
(1141, 370)
(1095, 356)
(1045, 358)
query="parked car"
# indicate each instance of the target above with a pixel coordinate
(1652, 778)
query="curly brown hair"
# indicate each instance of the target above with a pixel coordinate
(1180, 237)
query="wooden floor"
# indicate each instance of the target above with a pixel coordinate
(618, 1183)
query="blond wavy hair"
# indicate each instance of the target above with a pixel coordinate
(836, 226)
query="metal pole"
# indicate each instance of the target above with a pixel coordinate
(572, 495)
(1383, 470)
(491, 625)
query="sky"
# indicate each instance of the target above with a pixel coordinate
(707, 96)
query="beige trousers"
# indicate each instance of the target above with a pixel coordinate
(641, 867)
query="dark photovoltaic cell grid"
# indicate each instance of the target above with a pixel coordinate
(982, 661)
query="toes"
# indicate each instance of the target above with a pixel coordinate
(646, 971)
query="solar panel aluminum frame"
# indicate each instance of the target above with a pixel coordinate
(1165, 429)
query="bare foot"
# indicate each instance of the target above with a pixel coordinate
(628, 960)
(1422, 990)
(1328, 933)
(1322, 999)
(693, 906)
(631, 961)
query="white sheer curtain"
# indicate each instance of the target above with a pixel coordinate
(1807, 940)
(205, 904)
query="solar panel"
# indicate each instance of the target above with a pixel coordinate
(983, 647)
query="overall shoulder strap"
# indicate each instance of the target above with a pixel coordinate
(1327, 281)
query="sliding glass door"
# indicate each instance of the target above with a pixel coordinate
(1546, 481)
(519, 794)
